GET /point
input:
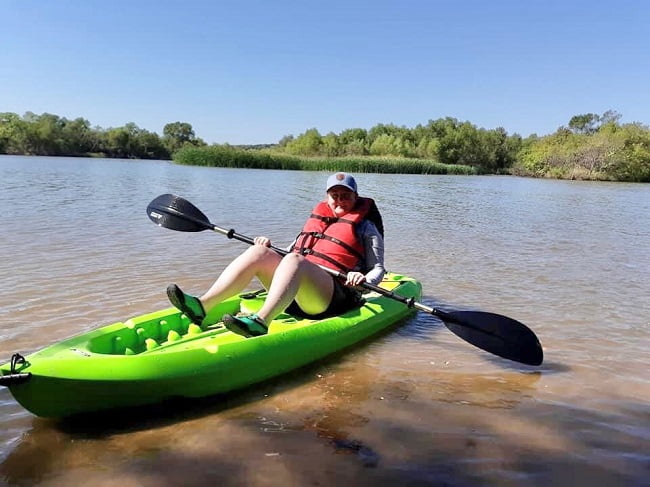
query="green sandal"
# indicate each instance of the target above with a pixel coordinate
(248, 326)
(189, 305)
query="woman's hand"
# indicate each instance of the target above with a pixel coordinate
(354, 278)
(265, 241)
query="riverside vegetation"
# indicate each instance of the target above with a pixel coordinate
(590, 147)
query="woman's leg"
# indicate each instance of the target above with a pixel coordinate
(258, 261)
(297, 278)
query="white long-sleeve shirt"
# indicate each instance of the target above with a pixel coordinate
(373, 244)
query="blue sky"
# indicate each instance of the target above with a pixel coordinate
(247, 72)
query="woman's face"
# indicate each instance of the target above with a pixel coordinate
(341, 200)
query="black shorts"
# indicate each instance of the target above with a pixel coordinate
(344, 299)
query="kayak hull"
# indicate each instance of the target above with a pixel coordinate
(161, 355)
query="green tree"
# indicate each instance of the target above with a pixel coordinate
(76, 135)
(177, 134)
(442, 127)
(331, 146)
(383, 144)
(635, 165)
(428, 147)
(49, 134)
(500, 149)
(350, 135)
(584, 124)
(610, 117)
(353, 142)
(134, 142)
(618, 152)
(150, 146)
(590, 123)
(284, 141)
(307, 144)
(380, 130)
(13, 134)
(116, 142)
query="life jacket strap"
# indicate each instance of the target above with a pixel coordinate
(317, 235)
(327, 258)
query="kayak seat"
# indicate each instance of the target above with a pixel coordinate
(390, 285)
(251, 305)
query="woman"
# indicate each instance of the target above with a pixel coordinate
(344, 233)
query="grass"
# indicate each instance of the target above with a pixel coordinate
(226, 156)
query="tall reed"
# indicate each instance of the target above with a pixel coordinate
(227, 156)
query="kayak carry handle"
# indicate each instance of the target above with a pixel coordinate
(15, 377)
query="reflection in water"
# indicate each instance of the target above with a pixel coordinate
(417, 404)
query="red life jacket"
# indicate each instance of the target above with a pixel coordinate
(331, 241)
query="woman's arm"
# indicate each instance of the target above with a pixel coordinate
(374, 247)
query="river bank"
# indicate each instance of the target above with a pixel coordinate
(573, 168)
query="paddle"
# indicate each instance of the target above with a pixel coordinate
(497, 334)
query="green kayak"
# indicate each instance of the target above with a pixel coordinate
(161, 355)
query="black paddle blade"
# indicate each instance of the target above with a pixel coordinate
(176, 213)
(496, 334)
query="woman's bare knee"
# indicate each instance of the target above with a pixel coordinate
(293, 260)
(261, 253)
